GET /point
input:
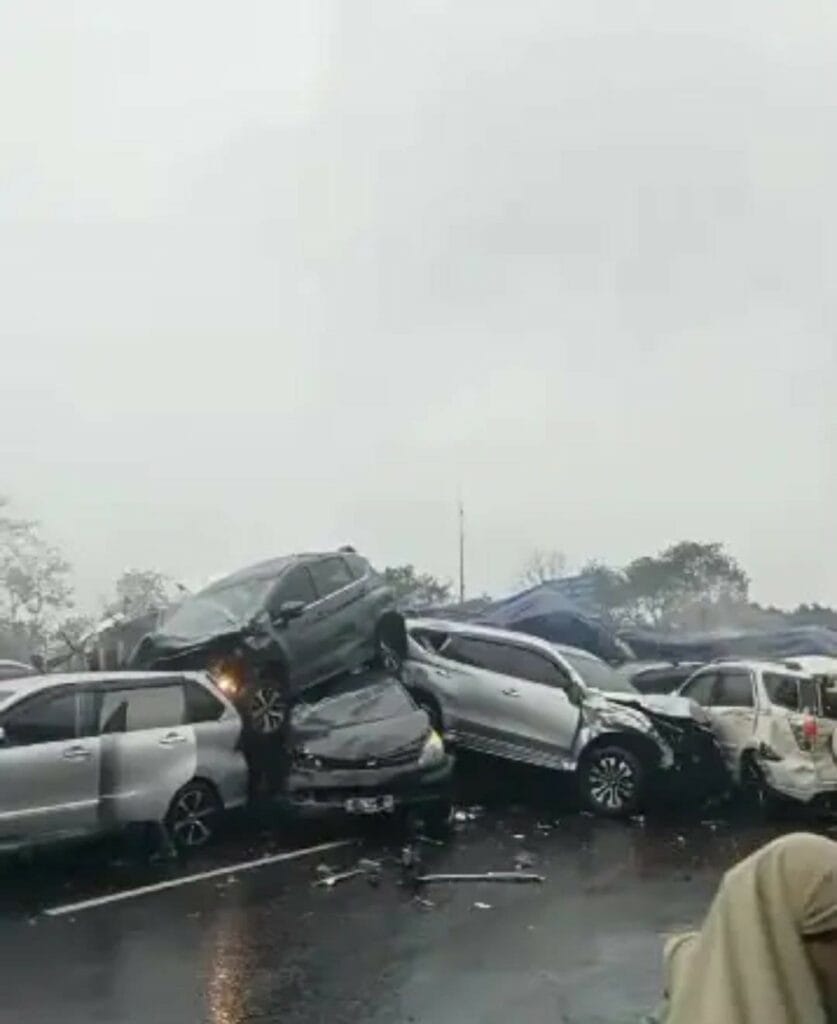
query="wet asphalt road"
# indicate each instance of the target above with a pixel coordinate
(268, 945)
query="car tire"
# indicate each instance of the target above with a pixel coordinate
(192, 818)
(756, 795)
(390, 645)
(430, 706)
(264, 704)
(612, 781)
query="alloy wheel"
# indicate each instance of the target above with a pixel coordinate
(612, 782)
(267, 710)
(190, 821)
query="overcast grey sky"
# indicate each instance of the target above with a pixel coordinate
(287, 275)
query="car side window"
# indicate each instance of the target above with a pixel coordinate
(523, 664)
(49, 718)
(358, 566)
(701, 688)
(782, 690)
(330, 574)
(295, 585)
(468, 651)
(142, 707)
(734, 690)
(201, 705)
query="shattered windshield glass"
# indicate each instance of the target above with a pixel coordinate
(218, 610)
(598, 674)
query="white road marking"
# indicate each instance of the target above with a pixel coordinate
(173, 883)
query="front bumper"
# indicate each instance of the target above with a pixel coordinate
(323, 794)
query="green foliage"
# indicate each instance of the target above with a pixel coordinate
(414, 588)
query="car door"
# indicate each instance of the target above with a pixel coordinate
(302, 636)
(148, 749)
(49, 766)
(547, 716)
(728, 695)
(517, 699)
(339, 617)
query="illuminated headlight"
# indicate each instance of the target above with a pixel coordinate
(227, 683)
(433, 752)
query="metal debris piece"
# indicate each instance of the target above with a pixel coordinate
(428, 840)
(329, 881)
(423, 903)
(482, 906)
(518, 835)
(486, 876)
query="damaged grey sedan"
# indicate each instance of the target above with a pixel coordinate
(524, 699)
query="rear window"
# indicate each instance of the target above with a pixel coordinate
(782, 690)
(351, 701)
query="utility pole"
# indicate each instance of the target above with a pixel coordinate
(461, 551)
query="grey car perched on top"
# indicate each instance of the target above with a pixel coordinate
(89, 753)
(270, 631)
(522, 698)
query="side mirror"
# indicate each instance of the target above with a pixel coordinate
(290, 610)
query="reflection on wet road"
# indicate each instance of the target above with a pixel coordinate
(268, 945)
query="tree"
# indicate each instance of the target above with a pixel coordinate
(34, 581)
(543, 566)
(416, 589)
(688, 585)
(139, 591)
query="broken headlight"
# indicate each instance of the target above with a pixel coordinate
(433, 751)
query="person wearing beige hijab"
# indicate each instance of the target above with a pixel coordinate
(767, 951)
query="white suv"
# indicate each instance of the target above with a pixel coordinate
(771, 723)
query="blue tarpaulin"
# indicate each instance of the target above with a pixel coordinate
(545, 612)
(773, 645)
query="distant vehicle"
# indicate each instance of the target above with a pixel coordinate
(658, 676)
(16, 670)
(88, 753)
(269, 631)
(359, 745)
(518, 697)
(775, 729)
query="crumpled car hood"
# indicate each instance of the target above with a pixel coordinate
(365, 741)
(600, 708)
(668, 705)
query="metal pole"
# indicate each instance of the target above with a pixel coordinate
(461, 552)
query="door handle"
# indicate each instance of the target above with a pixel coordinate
(172, 739)
(77, 753)
(510, 692)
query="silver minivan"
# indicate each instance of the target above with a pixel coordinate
(88, 753)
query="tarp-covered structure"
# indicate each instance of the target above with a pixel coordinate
(772, 645)
(545, 612)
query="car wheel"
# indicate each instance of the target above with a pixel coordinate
(755, 792)
(431, 708)
(612, 780)
(192, 818)
(390, 645)
(266, 709)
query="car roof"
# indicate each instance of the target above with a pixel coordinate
(272, 567)
(485, 633)
(755, 664)
(32, 684)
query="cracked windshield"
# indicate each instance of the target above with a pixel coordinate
(418, 589)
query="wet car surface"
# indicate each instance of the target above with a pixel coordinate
(272, 945)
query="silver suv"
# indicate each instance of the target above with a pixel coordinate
(89, 753)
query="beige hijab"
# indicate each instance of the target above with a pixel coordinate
(748, 963)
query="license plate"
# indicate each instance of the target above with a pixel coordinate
(369, 804)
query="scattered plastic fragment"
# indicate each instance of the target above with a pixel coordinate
(423, 903)
(482, 906)
(518, 835)
(486, 876)
(329, 881)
